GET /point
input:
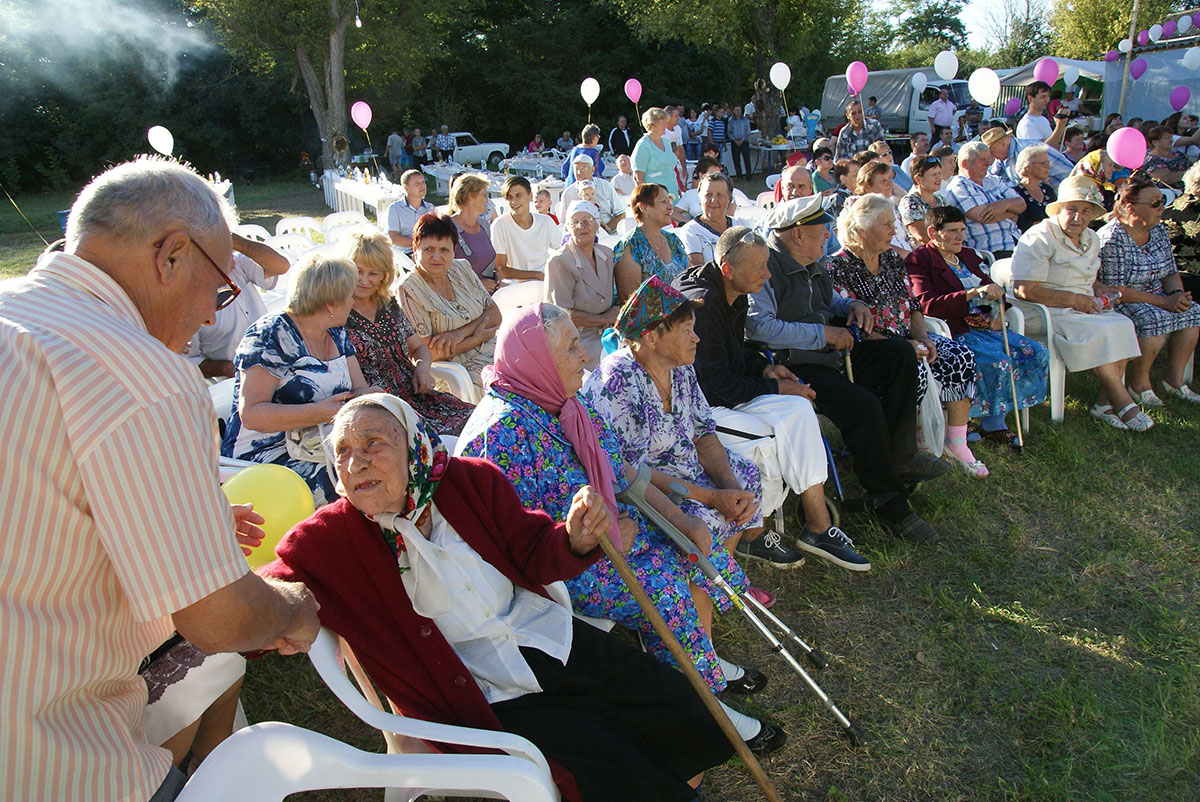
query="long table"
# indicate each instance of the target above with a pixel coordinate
(345, 195)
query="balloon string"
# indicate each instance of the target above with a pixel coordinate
(23, 217)
(783, 94)
(372, 149)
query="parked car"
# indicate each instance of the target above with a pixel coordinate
(469, 149)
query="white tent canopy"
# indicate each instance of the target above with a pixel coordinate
(1022, 76)
(1147, 96)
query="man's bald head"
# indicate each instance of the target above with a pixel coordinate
(796, 182)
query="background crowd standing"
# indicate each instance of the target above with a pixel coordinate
(823, 304)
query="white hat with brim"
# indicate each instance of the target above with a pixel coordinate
(1077, 188)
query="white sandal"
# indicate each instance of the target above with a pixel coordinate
(1183, 392)
(1148, 398)
(1140, 422)
(1105, 413)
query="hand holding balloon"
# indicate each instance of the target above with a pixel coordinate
(280, 499)
(248, 527)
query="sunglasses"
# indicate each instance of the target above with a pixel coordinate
(225, 295)
(1157, 204)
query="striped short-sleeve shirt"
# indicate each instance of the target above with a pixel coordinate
(112, 519)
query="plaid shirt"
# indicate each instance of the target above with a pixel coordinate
(850, 142)
(966, 195)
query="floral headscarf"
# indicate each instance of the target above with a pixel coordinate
(650, 305)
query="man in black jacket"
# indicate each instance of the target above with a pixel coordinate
(620, 138)
(800, 317)
(733, 375)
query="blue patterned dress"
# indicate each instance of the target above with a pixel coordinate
(274, 343)
(528, 444)
(625, 395)
(642, 252)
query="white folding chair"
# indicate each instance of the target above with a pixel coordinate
(254, 232)
(766, 199)
(342, 218)
(453, 378)
(1001, 273)
(409, 736)
(404, 262)
(772, 180)
(751, 213)
(270, 761)
(625, 225)
(339, 233)
(221, 394)
(308, 226)
(518, 294)
(937, 326)
(291, 244)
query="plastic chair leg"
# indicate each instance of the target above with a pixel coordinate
(1058, 389)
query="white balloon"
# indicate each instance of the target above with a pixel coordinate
(984, 86)
(160, 139)
(919, 81)
(1191, 59)
(1183, 24)
(1155, 32)
(781, 75)
(1070, 76)
(946, 65)
(590, 90)
(1125, 46)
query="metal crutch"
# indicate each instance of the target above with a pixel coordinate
(635, 494)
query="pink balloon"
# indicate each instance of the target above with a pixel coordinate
(1180, 95)
(633, 90)
(1169, 28)
(1143, 38)
(1196, 20)
(1112, 55)
(1046, 70)
(1012, 106)
(1127, 147)
(856, 77)
(1138, 68)
(360, 112)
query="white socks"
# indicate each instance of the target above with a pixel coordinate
(730, 670)
(747, 727)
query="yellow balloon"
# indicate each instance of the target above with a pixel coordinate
(279, 495)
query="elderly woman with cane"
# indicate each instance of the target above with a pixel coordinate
(549, 442)
(444, 585)
(950, 283)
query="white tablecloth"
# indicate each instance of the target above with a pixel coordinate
(345, 195)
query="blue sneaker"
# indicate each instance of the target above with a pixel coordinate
(833, 545)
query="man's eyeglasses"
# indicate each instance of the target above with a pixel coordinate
(1156, 204)
(225, 295)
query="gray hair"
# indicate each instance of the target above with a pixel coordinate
(971, 150)
(718, 176)
(320, 281)
(146, 198)
(1026, 156)
(551, 314)
(1191, 180)
(590, 131)
(859, 215)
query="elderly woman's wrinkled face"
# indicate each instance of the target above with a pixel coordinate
(369, 281)
(1039, 167)
(714, 200)
(878, 233)
(677, 346)
(569, 357)
(1145, 209)
(370, 450)
(659, 212)
(882, 184)
(949, 238)
(582, 227)
(1162, 145)
(1073, 217)
(433, 255)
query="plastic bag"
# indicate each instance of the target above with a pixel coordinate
(931, 419)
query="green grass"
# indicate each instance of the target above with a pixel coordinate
(1046, 649)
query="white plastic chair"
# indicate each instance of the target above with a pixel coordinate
(751, 213)
(270, 761)
(254, 232)
(772, 180)
(625, 225)
(766, 199)
(308, 226)
(1001, 273)
(291, 244)
(404, 262)
(339, 233)
(221, 394)
(518, 294)
(454, 379)
(342, 218)
(409, 736)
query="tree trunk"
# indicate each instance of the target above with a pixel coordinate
(327, 91)
(766, 97)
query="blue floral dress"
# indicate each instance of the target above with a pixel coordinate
(274, 343)
(528, 444)
(625, 395)
(648, 259)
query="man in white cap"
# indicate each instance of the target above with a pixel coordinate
(612, 207)
(799, 316)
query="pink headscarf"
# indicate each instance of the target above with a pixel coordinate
(525, 366)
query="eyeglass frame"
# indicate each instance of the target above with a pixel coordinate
(225, 296)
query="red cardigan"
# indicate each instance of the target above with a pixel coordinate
(343, 559)
(938, 289)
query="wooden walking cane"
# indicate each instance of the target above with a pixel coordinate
(1012, 378)
(615, 556)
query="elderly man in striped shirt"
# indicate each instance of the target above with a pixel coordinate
(990, 204)
(113, 529)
